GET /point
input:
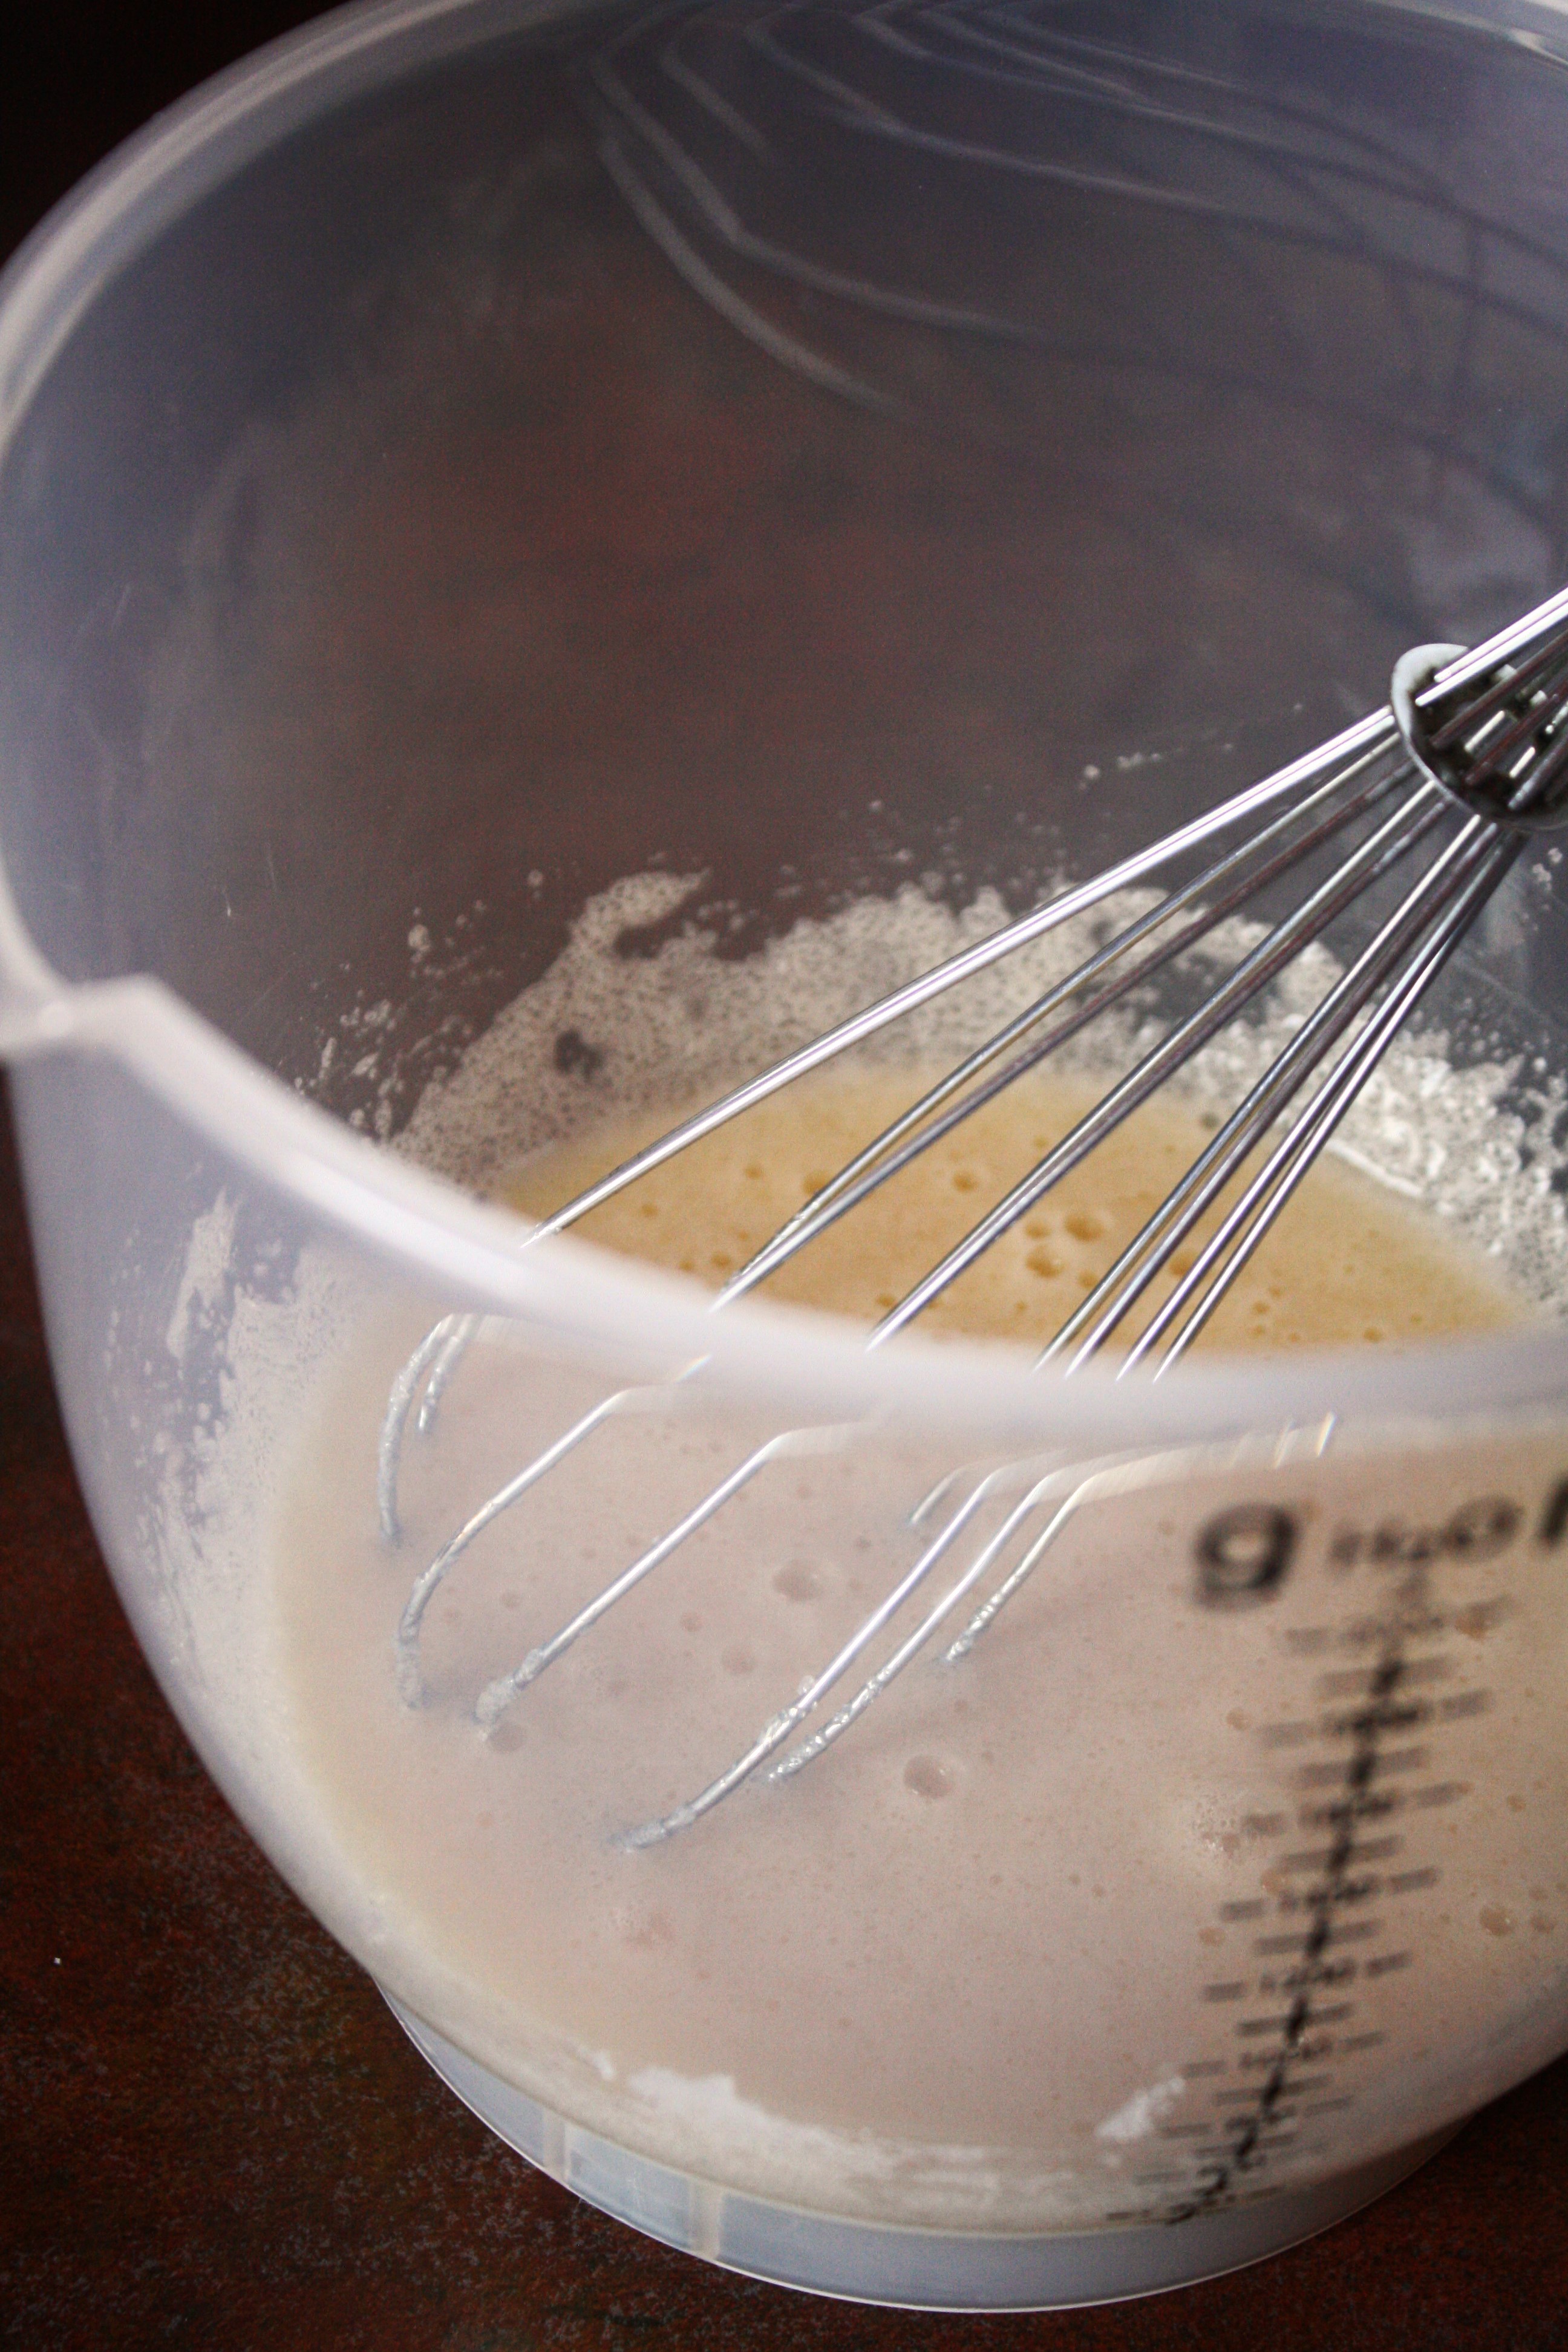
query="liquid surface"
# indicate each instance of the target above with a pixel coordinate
(954, 1971)
(1348, 1262)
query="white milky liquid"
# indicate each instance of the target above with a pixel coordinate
(960, 1969)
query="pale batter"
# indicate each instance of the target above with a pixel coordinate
(953, 1971)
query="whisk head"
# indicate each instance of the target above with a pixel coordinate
(921, 204)
(1410, 819)
(1502, 752)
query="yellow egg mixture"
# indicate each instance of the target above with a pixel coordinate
(1347, 1261)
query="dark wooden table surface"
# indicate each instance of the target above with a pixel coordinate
(211, 2131)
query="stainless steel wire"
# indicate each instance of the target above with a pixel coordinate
(873, 195)
(1471, 755)
(972, 135)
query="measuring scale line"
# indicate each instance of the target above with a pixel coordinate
(1348, 1931)
(1318, 1858)
(1256, 2136)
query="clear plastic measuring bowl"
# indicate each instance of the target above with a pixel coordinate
(458, 512)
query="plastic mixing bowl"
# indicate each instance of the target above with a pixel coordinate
(404, 538)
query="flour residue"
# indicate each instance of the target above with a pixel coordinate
(616, 1028)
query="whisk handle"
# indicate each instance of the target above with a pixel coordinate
(1495, 741)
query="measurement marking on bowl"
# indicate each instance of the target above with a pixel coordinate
(1299, 2013)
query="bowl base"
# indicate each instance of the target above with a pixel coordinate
(866, 2262)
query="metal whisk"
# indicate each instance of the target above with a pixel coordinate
(1447, 782)
(890, 198)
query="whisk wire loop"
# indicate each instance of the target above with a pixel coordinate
(623, 1400)
(1272, 1189)
(1476, 742)
(781, 1727)
(497, 1695)
(1152, 1248)
(1375, 731)
(1394, 839)
(907, 1138)
(1243, 1229)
